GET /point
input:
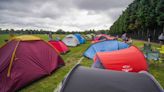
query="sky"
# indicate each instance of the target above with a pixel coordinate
(69, 15)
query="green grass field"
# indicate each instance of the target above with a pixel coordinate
(49, 83)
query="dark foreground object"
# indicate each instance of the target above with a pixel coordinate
(83, 79)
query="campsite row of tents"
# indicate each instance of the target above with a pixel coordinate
(117, 67)
(24, 54)
(69, 40)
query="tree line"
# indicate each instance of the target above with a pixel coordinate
(24, 31)
(59, 31)
(140, 19)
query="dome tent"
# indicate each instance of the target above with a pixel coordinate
(88, 37)
(104, 46)
(22, 55)
(71, 40)
(80, 38)
(129, 60)
(102, 37)
(60, 46)
(82, 79)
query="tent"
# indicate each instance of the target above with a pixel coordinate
(89, 36)
(80, 38)
(82, 79)
(104, 46)
(25, 59)
(71, 40)
(102, 37)
(129, 60)
(60, 46)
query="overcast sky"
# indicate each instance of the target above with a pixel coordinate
(69, 15)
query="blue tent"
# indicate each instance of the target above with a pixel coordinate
(104, 46)
(80, 38)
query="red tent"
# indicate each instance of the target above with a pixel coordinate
(25, 59)
(102, 37)
(60, 46)
(129, 60)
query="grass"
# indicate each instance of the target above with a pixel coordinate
(2, 38)
(49, 83)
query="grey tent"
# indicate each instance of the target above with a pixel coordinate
(82, 79)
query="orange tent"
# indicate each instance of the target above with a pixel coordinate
(129, 60)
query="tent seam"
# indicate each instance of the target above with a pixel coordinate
(12, 59)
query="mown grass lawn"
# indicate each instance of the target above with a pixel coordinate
(49, 83)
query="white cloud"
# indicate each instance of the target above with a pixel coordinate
(69, 15)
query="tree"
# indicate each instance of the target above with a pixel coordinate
(60, 31)
(160, 11)
(142, 17)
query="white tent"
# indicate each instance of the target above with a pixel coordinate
(71, 40)
(89, 36)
